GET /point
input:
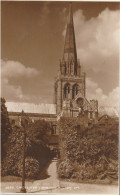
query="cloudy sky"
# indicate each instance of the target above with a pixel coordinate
(33, 35)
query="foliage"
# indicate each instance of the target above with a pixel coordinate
(36, 136)
(65, 169)
(14, 151)
(5, 127)
(93, 152)
(69, 141)
(39, 132)
(31, 168)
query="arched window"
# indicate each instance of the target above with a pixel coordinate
(74, 90)
(65, 69)
(66, 90)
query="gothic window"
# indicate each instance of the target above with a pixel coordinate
(74, 90)
(66, 90)
(65, 68)
(70, 68)
(61, 68)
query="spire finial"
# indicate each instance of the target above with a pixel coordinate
(70, 45)
(70, 16)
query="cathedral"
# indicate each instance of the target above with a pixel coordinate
(69, 90)
(70, 85)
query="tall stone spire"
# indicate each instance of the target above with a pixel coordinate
(70, 54)
(70, 45)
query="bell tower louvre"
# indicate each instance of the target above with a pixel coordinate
(70, 86)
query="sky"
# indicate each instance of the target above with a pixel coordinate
(32, 42)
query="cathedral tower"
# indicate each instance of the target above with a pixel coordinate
(70, 83)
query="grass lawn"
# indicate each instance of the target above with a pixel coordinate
(11, 178)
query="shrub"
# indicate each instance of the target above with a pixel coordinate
(31, 168)
(75, 175)
(90, 173)
(84, 173)
(65, 169)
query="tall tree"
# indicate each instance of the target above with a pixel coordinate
(36, 146)
(5, 127)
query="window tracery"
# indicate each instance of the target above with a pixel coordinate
(66, 90)
(74, 91)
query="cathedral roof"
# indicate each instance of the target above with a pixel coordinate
(70, 45)
(31, 108)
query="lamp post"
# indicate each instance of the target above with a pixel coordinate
(24, 123)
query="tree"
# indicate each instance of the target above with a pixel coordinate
(39, 132)
(36, 147)
(69, 142)
(5, 128)
(87, 153)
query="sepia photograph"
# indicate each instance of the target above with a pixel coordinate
(60, 97)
